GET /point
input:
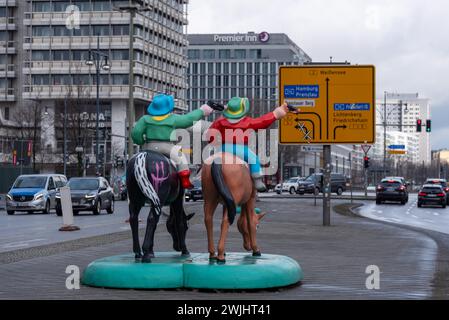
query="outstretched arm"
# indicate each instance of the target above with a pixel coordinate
(187, 120)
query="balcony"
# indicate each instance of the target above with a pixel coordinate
(7, 94)
(7, 23)
(91, 17)
(7, 71)
(7, 47)
(82, 42)
(65, 67)
(85, 92)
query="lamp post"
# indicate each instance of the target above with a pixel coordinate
(133, 9)
(101, 61)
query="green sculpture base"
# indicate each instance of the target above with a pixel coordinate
(170, 270)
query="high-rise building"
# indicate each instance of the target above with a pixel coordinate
(44, 46)
(402, 112)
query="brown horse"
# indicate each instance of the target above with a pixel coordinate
(226, 179)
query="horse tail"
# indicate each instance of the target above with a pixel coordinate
(144, 183)
(223, 190)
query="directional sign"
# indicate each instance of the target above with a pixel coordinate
(397, 151)
(397, 147)
(337, 104)
(312, 148)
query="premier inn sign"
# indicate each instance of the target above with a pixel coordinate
(261, 37)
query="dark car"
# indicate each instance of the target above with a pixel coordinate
(314, 184)
(441, 182)
(196, 193)
(432, 194)
(391, 190)
(89, 194)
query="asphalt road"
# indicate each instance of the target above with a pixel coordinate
(23, 230)
(429, 217)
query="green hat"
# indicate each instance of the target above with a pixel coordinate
(237, 108)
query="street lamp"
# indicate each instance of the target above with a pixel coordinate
(101, 62)
(133, 9)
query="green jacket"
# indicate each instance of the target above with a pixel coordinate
(161, 130)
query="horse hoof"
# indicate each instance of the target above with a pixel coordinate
(146, 259)
(185, 254)
(138, 256)
(221, 261)
(256, 254)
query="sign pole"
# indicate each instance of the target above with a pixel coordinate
(327, 186)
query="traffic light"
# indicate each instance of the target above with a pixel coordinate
(428, 125)
(418, 125)
(366, 162)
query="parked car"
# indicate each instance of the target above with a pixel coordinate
(88, 194)
(314, 184)
(441, 182)
(291, 185)
(196, 193)
(432, 194)
(391, 189)
(35, 192)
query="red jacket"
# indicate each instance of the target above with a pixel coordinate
(223, 125)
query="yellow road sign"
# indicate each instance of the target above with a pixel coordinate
(397, 151)
(337, 104)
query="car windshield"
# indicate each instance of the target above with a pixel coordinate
(30, 182)
(310, 179)
(292, 180)
(440, 182)
(83, 184)
(432, 189)
(391, 183)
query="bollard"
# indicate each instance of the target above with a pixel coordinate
(67, 211)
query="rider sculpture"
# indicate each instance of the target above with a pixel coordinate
(153, 132)
(236, 142)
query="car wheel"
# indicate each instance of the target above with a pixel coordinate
(419, 204)
(187, 200)
(10, 212)
(339, 191)
(110, 210)
(378, 201)
(47, 207)
(123, 197)
(444, 205)
(292, 190)
(97, 208)
(58, 212)
(403, 202)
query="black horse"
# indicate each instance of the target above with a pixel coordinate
(151, 177)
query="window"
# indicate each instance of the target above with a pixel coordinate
(240, 54)
(61, 55)
(59, 6)
(120, 30)
(41, 6)
(84, 5)
(6, 113)
(120, 54)
(120, 79)
(233, 68)
(40, 80)
(61, 31)
(193, 54)
(224, 54)
(101, 6)
(101, 30)
(42, 31)
(40, 55)
(209, 54)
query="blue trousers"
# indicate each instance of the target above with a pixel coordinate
(243, 152)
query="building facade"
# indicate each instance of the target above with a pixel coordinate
(46, 45)
(402, 112)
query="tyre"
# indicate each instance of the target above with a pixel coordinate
(97, 209)
(58, 211)
(339, 191)
(378, 201)
(10, 212)
(292, 190)
(123, 197)
(110, 209)
(419, 204)
(47, 207)
(403, 202)
(443, 205)
(188, 200)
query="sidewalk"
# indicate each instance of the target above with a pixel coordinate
(334, 259)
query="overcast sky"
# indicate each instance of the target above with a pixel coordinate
(407, 40)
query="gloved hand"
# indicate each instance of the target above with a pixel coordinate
(206, 110)
(281, 111)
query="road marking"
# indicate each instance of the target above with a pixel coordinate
(18, 244)
(414, 216)
(436, 214)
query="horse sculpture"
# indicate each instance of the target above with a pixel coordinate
(151, 177)
(226, 179)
